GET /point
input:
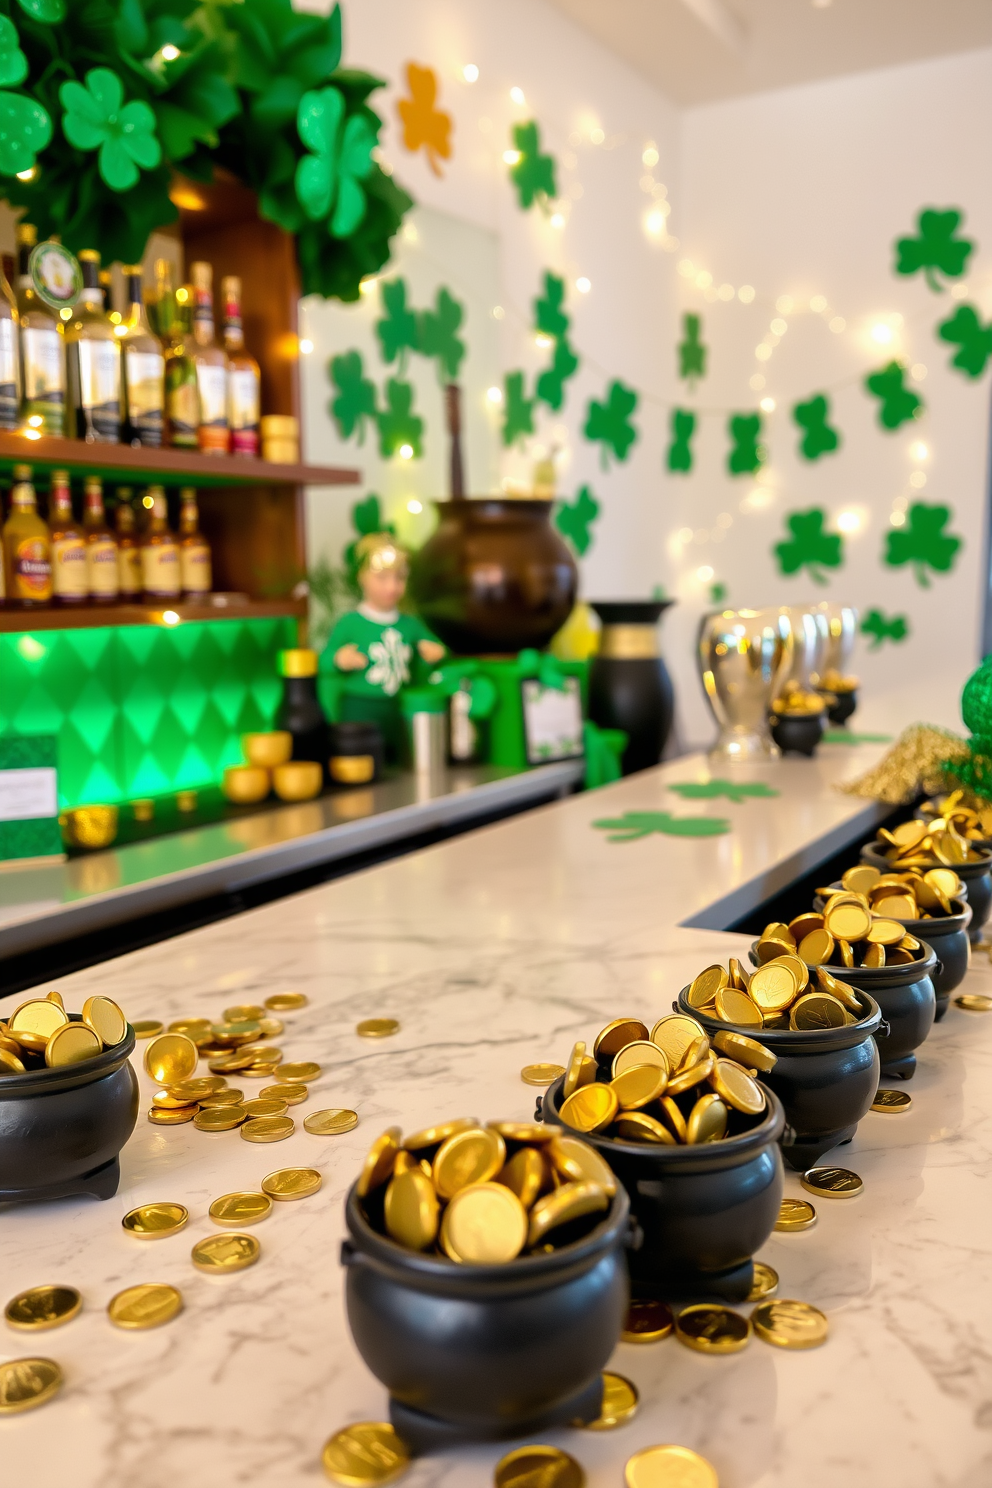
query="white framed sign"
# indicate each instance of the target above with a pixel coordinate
(552, 721)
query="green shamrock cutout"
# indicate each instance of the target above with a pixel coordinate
(398, 424)
(25, 128)
(965, 330)
(97, 118)
(574, 521)
(923, 542)
(13, 63)
(692, 352)
(897, 404)
(718, 593)
(875, 625)
(634, 825)
(549, 316)
(437, 334)
(809, 546)
(747, 453)
(398, 330)
(936, 249)
(683, 426)
(534, 173)
(551, 383)
(356, 399)
(609, 422)
(341, 161)
(518, 409)
(736, 791)
(819, 438)
(50, 12)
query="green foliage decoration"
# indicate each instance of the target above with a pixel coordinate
(682, 428)
(609, 423)
(736, 791)
(355, 402)
(808, 546)
(533, 174)
(897, 403)
(875, 624)
(965, 330)
(97, 118)
(13, 63)
(398, 424)
(692, 352)
(437, 334)
(634, 825)
(819, 438)
(574, 520)
(747, 453)
(329, 181)
(923, 542)
(518, 409)
(936, 248)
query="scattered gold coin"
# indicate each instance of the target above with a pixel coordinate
(299, 1072)
(832, 1183)
(155, 1221)
(170, 1058)
(669, 1467)
(145, 1306)
(285, 1002)
(365, 1453)
(146, 1028)
(648, 1321)
(217, 1098)
(548, 1467)
(240, 1208)
(330, 1123)
(291, 1183)
(43, 1307)
(194, 1090)
(974, 1002)
(377, 1027)
(224, 1253)
(795, 1214)
(219, 1118)
(620, 1401)
(106, 1020)
(541, 1074)
(268, 1129)
(790, 1325)
(161, 1116)
(712, 1330)
(244, 1013)
(290, 1093)
(25, 1383)
(263, 1107)
(891, 1100)
(765, 1283)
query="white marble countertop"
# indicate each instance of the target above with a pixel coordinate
(493, 950)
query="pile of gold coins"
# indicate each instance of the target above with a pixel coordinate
(778, 994)
(973, 823)
(40, 1034)
(937, 842)
(483, 1195)
(671, 1087)
(797, 701)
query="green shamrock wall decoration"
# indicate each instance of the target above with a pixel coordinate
(551, 320)
(747, 453)
(437, 334)
(923, 542)
(692, 352)
(533, 174)
(518, 409)
(398, 424)
(13, 63)
(896, 628)
(551, 382)
(936, 249)
(682, 428)
(97, 118)
(809, 546)
(574, 520)
(718, 593)
(964, 329)
(736, 791)
(332, 176)
(549, 313)
(356, 397)
(818, 436)
(634, 825)
(398, 330)
(609, 422)
(49, 11)
(897, 403)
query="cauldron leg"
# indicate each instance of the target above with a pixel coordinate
(901, 1069)
(802, 1155)
(101, 1183)
(424, 1434)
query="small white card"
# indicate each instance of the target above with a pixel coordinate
(28, 795)
(552, 721)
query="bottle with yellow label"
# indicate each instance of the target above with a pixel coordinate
(69, 580)
(194, 550)
(160, 571)
(27, 547)
(128, 547)
(210, 361)
(101, 546)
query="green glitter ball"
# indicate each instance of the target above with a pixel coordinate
(976, 700)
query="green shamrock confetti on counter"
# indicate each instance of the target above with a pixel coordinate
(551, 383)
(634, 825)
(13, 63)
(809, 546)
(692, 352)
(736, 791)
(549, 314)
(518, 409)
(936, 249)
(923, 542)
(897, 403)
(25, 128)
(97, 118)
(342, 159)
(682, 428)
(896, 628)
(609, 422)
(50, 12)
(398, 329)
(965, 330)
(356, 399)
(533, 174)
(398, 424)
(747, 453)
(437, 334)
(818, 437)
(574, 520)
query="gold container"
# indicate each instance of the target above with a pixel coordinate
(186, 800)
(144, 809)
(352, 769)
(268, 750)
(299, 780)
(281, 451)
(280, 439)
(246, 784)
(89, 826)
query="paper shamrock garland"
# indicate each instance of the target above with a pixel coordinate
(437, 335)
(551, 320)
(682, 428)
(965, 330)
(356, 398)
(818, 437)
(880, 629)
(737, 791)
(549, 309)
(533, 174)
(897, 403)
(574, 521)
(398, 424)
(634, 825)
(747, 454)
(609, 423)
(425, 126)
(692, 352)
(518, 409)
(936, 249)
(329, 181)
(923, 542)
(809, 546)
(97, 118)
(397, 330)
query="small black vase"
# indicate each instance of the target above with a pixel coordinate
(797, 733)
(629, 685)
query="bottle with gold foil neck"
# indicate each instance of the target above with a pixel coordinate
(42, 347)
(210, 361)
(10, 358)
(194, 550)
(69, 579)
(93, 356)
(244, 378)
(27, 548)
(128, 547)
(102, 579)
(144, 370)
(160, 572)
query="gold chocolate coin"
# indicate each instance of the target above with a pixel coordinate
(538, 1467)
(525, 1174)
(485, 1224)
(581, 1163)
(71, 1044)
(763, 1284)
(42, 1307)
(789, 1325)
(290, 1093)
(832, 1183)
(886, 932)
(836, 988)
(620, 1401)
(891, 1100)
(571, 1201)
(816, 947)
(638, 1126)
(736, 1087)
(240, 1208)
(640, 1051)
(772, 988)
(299, 1072)
(194, 1028)
(271, 1027)
(816, 1010)
(576, 1066)
(146, 1028)
(411, 1210)
(227, 1097)
(541, 1074)
(263, 1107)
(174, 1116)
(379, 1163)
(704, 987)
(433, 1136)
(170, 1058)
(192, 1090)
(25, 1383)
(738, 1008)
(694, 1075)
(707, 1120)
(225, 1253)
(330, 1123)
(590, 1108)
(974, 1002)
(286, 1184)
(219, 1118)
(377, 1027)
(674, 1033)
(861, 879)
(155, 1221)
(673, 1116)
(244, 1013)
(166, 1101)
(10, 1064)
(669, 1467)
(647, 1321)
(615, 1036)
(847, 921)
(365, 1453)
(106, 1020)
(795, 1214)
(641, 1084)
(268, 1128)
(712, 1330)
(286, 1002)
(145, 1306)
(33, 1023)
(473, 1156)
(235, 1034)
(532, 1132)
(229, 1064)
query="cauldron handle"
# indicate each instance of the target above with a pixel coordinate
(634, 1236)
(788, 1137)
(350, 1256)
(539, 1109)
(939, 969)
(884, 1029)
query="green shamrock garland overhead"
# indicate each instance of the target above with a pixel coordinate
(682, 428)
(936, 249)
(923, 542)
(533, 174)
(897, 403)
(692, 352)
(397, 329)
(575, 520)
(518, 409)
(398, 424)
(634, 825)
(747, 453)
(881, 629)
(965, 330)
(437, 335)
(609, 423)
(809, 546)
(356, 395)
(551, 320)
(818, 437)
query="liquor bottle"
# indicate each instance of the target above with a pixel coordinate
(144, 371)
(243, 391)
(27, 548)
(128, 548)
(42, 347)
(194, 550)
(10, 361)
(93, 355)
(69, 580)
(182, 400)
(211, 365)
(107, 291)
(159, 550)
(102, 581)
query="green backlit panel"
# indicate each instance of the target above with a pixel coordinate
(141, 710)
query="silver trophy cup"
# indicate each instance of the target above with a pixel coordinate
(744, 656)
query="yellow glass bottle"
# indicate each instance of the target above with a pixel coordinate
(210, 361)
(27, 547)
(102, 580)
(69, 581)
(160, 573)
(128, 548)
(194, 550)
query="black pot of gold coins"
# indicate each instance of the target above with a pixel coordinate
(974, 822)
(486, 1281)
(693, 1138)
(937, 843)
(821, 1033)
(68, 1099)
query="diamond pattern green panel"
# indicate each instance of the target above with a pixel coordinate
(143, 710)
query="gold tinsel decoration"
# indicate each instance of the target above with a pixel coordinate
(915, 763)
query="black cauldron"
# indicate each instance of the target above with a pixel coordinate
(797, 733)
(703, 1210)
(976, 877)
(843, 706)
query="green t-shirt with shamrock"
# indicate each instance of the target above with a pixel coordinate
(390, 643)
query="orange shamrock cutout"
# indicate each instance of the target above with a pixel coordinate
(423, 124)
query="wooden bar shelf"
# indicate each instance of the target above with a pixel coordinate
(168, 467)
(75, 617)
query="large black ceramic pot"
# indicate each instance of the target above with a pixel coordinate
(703, 1210)
(826, 1078)
(629, 685)
(976, 877)
(61, 1130)
(482, 1352)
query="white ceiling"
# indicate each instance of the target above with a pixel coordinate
(700, 50)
